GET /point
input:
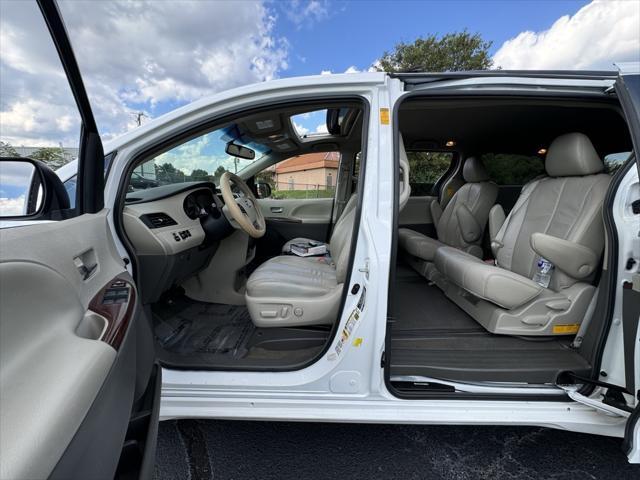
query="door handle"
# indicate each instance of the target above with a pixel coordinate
(86, 263)
(276, 210)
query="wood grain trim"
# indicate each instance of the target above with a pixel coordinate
(116, 302)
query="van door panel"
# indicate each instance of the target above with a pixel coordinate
(54, 353)
(291, 218)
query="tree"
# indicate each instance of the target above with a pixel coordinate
(426, 168)
(199, 174)
(167, 174)
(7, 150)
(449, 53)
(218, 173)
(52, 156)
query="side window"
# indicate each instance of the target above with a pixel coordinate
(425, 169)
(39, 118)
(307, 176)
(70, 186)
(512, 169)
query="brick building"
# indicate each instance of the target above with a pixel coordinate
(312, 171)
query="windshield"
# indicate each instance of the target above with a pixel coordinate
(201, 159)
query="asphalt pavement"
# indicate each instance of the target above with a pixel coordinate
(208, 449)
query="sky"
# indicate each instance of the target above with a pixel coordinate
(155, 56)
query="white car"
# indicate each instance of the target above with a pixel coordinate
(476, 262)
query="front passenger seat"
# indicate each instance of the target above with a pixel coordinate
(460, 225)
(557, 218)
(291, 291)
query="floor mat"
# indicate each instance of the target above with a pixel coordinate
(433, 337)
(198, 335)
(421, 306)
(188, 327)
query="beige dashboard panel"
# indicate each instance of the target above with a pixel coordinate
(162, 241)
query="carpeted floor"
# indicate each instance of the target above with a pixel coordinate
(188, 327)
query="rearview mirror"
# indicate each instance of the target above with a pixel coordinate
(28, 188)
(240, 151)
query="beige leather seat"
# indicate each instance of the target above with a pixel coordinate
(558, 218)
(460, 225)
(290, 291)
(297, 291)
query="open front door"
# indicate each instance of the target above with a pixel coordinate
(75, 381)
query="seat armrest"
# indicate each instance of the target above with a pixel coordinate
(574, 259)
(436, 211)
(469, 227)
(496, 220)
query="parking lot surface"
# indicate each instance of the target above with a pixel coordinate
(198, 449)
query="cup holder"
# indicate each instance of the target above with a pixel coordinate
(92, 326)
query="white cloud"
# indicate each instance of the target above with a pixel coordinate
(599, 34)
(134, 56)
(300, 129)
(374, 67)
(322, 128)
(10, 207)
(306, 12)
(354, 69)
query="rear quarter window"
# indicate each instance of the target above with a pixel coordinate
(512, 169)
(425, 169)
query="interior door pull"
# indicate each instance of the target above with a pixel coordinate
(86, 263)
(86, 272)
(276, 209)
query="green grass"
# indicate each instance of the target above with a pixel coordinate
(301, 194)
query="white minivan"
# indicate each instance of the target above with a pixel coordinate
(451, 248)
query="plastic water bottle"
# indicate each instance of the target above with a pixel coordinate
(544, 269)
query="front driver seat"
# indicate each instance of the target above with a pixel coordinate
(291, 291)
(557, 218)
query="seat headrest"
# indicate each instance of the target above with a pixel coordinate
(572, 155)
(474, 171)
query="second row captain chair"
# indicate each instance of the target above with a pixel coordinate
(557, 221)
(460, 225)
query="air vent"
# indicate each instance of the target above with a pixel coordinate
(157, 220)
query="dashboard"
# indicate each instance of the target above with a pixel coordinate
(174, 230)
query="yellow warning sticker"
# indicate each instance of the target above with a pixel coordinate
(357, 342)
(384, 116)
(566, 329)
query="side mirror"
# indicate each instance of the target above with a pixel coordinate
(263, 190)
(29, 189)
(240, 151)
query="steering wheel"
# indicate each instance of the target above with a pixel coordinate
(243, 208)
